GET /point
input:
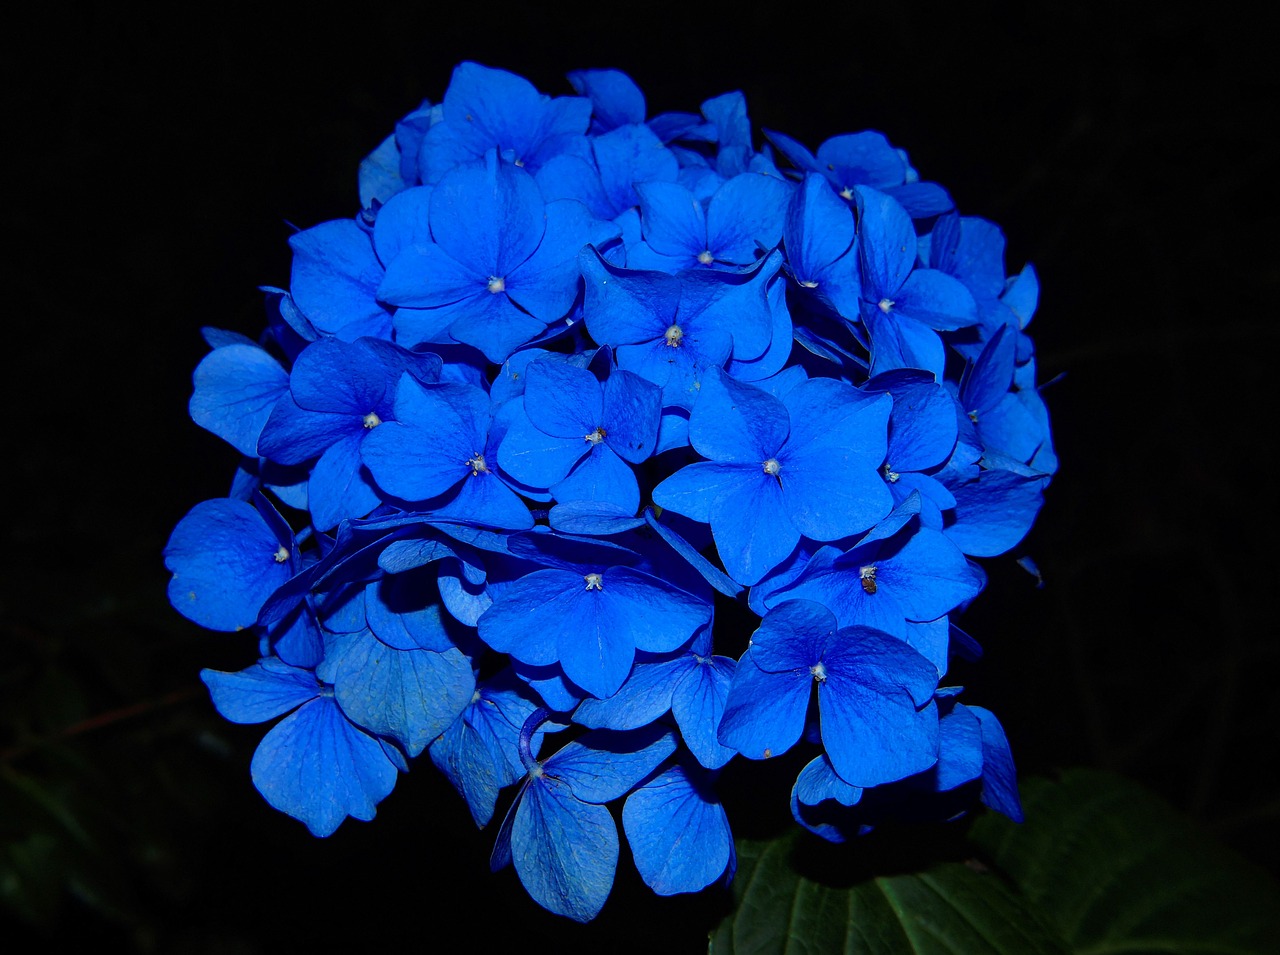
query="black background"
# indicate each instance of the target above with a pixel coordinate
(156, 168)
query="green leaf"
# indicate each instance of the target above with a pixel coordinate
(949, 908)
(1100, 867)
(1119, 872)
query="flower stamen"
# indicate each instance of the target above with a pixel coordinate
(496, 284)
(594, 581)
(867, 575)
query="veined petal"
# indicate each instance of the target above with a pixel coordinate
(764, 712)
(261, 692)
(318, 768)
(672, 219)
(752, 532)
(489, 216)
(678, 832)
(411, 696)
(425, 276)
(736, 423)
(565, 850)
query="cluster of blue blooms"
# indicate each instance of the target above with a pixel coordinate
(571, 382)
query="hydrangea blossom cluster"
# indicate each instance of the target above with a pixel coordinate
(572, 384)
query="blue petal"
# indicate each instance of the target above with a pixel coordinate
(887, 243)
(745, 216)
(818, 782)
(318, 768)
(871, 729)
(410, 695)
(604, 765)
(488, 216)
(792, 636)
(764, 713)
(661, 616)
(645, 696)
(999, 778)
(624, 307)
(830, 481)
(629, 156)
(546, 285)
(752, 531)
(994, 512)
(261, 692)
(531, 614)
(819, 230)
(338, 487)
(402, 612)
(425, 276)
(600, 476)
(736, 423)
(565, 851)
(698, 704)
(672, 219)
(223, 557)
(632, 411)
(533, 457)
(236, 387)
(461, 754)
(562, 400)
(678, 833)
(335, 280)
(402, 222)
(615, 98)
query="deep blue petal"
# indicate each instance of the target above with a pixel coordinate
(318, 768)
(678, 832)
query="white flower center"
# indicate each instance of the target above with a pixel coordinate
(497, 284)
(890, 474)
(819, 672)
(705, 257)
(846, 193)
(805, 283)
(885, 304)
(594, 581)
(477, 465)
(673, 336)
(772, 467)
(371, 421)
(596, 436)
(282, 554)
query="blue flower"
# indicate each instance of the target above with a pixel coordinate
(558, 831)
(486, 109)
(314, 764)
(500, 264)
(439, 450)
(591, 618)
(673, 330)
(578, 437)
(875, 696)
(779, 469)
(227, 558)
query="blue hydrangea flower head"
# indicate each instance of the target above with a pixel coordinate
(527, 451)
